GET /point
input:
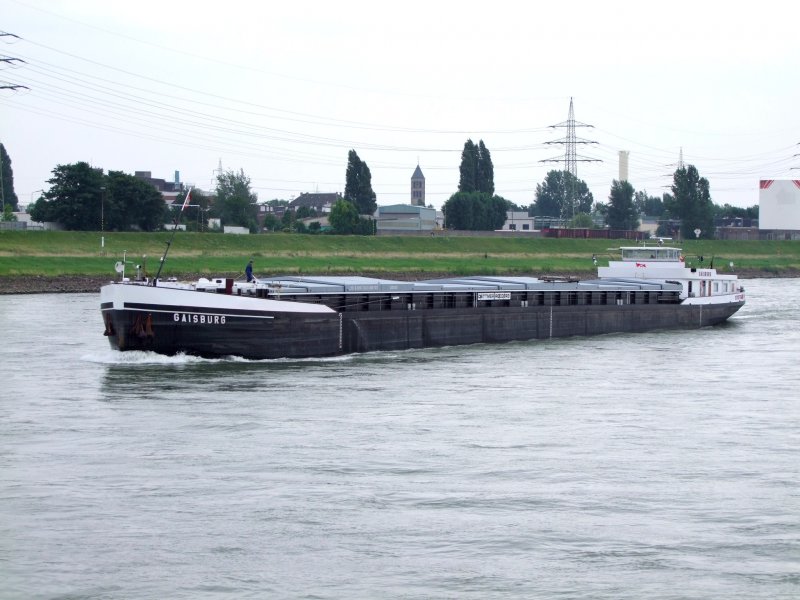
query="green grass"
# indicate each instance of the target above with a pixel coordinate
(79, 253)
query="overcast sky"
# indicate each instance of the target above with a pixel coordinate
(283, 90)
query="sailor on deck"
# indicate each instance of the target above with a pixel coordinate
(248, 271)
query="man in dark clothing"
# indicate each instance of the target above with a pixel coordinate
(248, 271)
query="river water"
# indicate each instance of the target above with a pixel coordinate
(663, 465)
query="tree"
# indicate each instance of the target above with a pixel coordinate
(468, 170)
(517, 207)
(582, 221)
(7, 179)
(82, 198)
(236, 204)
(621, 213)
(485, 180)
(561, 195)
(288, 220)
(652, 206)
(358, 185)
(344, 217)
(41, 210)
(305, 212)
(476, 172)
(692, 203)
(75, 198)
(726, 211)
(276, 203)
(131, 203)
(475, 211)
(270, 222)
(668, 223)
(8, 214)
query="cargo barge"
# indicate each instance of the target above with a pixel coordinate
(650, 288)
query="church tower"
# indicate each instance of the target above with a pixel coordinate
(418, 188)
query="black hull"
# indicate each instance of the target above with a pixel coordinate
(301, 335)
(285, 335)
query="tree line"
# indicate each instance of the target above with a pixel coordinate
(687, 208)
(82, 197)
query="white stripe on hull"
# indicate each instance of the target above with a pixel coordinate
(183, 298)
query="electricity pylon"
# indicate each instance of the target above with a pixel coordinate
(571, 157)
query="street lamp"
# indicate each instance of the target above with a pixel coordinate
(102, 220)
(102, 208)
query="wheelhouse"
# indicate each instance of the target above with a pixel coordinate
(650, 253)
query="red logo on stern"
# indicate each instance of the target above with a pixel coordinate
(641, 265)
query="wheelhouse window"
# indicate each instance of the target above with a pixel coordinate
(656, 254)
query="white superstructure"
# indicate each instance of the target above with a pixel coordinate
(701, 285)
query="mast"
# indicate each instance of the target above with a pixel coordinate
(172, 237)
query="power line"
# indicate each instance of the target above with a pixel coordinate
(10, 60)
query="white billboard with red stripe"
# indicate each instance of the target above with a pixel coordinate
(779, 204)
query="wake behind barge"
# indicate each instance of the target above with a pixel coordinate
(297, 317)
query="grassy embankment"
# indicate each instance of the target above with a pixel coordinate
(79, 253)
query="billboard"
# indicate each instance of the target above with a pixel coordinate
(779, 204)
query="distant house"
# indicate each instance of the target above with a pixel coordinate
(404, 217)
(320, 202)
(518, 221)
(169, 189)
(276, 210)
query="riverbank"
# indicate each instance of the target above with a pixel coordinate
(64, 284)
(67, 255)
(77, 284)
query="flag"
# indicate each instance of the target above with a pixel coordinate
(186, 200)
